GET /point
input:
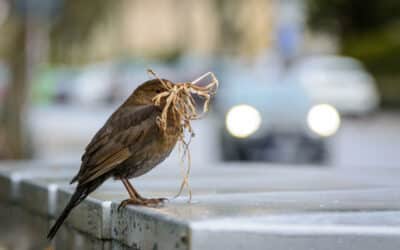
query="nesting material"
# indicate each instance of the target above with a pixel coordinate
(179, 103)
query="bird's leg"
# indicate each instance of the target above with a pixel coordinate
(154, 201)
(136, 198)
(132, 191)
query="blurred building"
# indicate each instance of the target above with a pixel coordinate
(170, 27)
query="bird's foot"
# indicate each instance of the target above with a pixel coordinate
(130, 201)
(154, 202)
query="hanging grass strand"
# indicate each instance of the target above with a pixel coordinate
(179, 100)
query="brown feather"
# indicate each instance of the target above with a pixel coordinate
(132, 122)
(106, 166)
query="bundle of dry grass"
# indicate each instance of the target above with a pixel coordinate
(180, 103)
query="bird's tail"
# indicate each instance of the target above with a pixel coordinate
(76, 198)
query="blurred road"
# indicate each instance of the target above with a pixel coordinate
(370, 141)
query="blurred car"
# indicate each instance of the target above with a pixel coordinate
(340, 81)
(269, 120)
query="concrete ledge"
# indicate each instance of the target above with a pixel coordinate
(40, 195)
(147, 228)
(233, 208)
(69, 238)
(11, 175)
(92, 216)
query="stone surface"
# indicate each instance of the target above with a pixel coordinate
(12, 173)
(20, 229)
(92, 216)
(234, 207)
(39, 195)
(71, 239)
(144, 228)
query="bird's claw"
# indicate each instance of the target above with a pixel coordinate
(153, 202)
(124, 203)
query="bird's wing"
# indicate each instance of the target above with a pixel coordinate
(123, 134)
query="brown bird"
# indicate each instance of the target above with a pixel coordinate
(130, 143)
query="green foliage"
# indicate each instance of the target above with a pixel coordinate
(379, 49)
(352, 16)
(370, 31)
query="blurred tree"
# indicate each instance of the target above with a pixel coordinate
(72, 22)
(12, 132)
(370, 31)
(353, 16)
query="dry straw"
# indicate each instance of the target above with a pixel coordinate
(179, 102)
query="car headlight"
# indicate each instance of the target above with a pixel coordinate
(323, 119)
(242, 120)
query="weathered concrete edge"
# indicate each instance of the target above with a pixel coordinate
(145, 228)
(36, 198)
(211, 240)
(7, 188)
(218, 234)
(92, 216)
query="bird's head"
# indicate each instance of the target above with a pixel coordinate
(176, 98)
(145, 93)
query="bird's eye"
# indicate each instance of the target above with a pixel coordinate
(158, 91)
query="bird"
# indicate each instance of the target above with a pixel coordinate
(130, 144)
